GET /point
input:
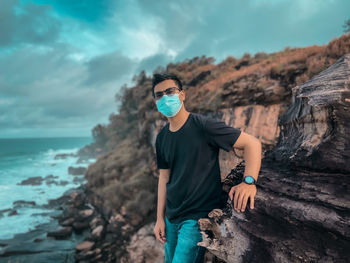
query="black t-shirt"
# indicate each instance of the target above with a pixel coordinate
(192, 155)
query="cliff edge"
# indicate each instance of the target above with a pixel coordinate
(295, 101)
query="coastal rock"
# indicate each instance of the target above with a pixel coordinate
(69, 212)
(62, 233)
(67, 222)
(78, 180)
(38, 180)
(45, 243)
(226, 241)
(96, 221)
(86, 245)
(86, 213)
(301, 214)
(3, 211)
(316, 127)
(19, 203)
(80, 226)
(13, 212)
(89, 255)
(97, 232)
(76, 170)
(74, 195)
(77, 200)
(64, 155)
(144, 247)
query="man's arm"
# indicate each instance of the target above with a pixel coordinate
(252, 157)
(162, 181)
(159, 228)
(252, 153)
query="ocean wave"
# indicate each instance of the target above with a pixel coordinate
(51, 152)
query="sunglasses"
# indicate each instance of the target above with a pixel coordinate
(168, 91)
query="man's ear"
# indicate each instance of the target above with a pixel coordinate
(183, 95)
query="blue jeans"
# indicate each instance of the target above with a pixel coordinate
(181, 242)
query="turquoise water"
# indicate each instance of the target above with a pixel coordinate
(21, 159)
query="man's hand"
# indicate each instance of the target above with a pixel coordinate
(159, 230)
(240, 194)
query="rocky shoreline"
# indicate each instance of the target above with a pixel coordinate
(63, 236)
(79, 232)
(47, 242)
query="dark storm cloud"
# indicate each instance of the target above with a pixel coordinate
(46, 90)
(28, 23)
(152, 62)
(108, 67)
(29, 67)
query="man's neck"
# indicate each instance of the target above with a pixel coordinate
(178, 120)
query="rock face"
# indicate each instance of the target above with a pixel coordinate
(316, 128)
(76, 170)
(300, 211)
(302, 206)
(143, 247)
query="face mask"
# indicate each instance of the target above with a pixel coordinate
(169, 105)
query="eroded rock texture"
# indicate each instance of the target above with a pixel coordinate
(302, 206)
(315, 129)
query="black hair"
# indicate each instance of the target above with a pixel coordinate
(157, 78)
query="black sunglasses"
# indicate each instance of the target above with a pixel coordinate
(168, 91)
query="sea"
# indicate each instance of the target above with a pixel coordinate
(23, 158)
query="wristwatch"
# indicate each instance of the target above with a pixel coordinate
(249, 179)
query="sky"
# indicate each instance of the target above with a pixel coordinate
(63, 61)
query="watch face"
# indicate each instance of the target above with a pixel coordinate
(249, 179)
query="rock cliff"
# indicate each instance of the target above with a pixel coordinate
(295, 101)
(302, 207)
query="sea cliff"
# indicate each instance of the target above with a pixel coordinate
(295, 101)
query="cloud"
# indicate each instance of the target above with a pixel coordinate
(48, 91)
(62, 61)
(28, 23)
(222, 28)
(149, 64)
(109, 67)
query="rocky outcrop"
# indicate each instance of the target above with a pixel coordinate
(47, 242)
(64, 155)
(316, 128)
(38, 180)
(143, 247)
(252, 94)
(302, 207)
(76, 170)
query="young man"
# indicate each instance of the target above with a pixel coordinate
(189, 186)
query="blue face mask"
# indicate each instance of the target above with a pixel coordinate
(169, 105)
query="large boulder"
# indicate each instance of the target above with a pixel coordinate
(302, 205)
(315, 130)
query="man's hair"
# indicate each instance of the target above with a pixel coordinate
(157, 78)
